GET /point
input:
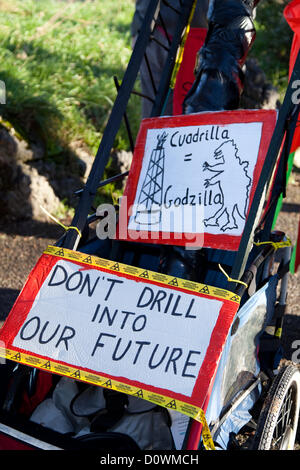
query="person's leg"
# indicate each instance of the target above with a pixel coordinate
(219, 76)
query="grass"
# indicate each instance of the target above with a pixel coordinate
(58, 59)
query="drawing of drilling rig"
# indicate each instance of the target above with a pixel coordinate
(150, 198)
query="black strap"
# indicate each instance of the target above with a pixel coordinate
(279, 311)
(283, 269)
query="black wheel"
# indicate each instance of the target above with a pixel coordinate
(277, 424)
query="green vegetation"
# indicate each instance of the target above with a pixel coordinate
(273, 42)
(58, 60)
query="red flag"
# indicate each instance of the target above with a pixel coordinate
(292, 16)
(185, 77)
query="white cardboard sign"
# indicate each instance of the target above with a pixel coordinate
(196, 179)
(112, 325)
(143, 333)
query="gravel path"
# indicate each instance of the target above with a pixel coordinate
(21, 244)
(288, 222)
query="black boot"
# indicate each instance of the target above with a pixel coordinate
(219, 75)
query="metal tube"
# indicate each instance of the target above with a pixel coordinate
(112, 127)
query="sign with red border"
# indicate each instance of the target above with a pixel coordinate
(193, 178)
(139, 332)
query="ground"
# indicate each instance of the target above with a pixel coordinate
(288, 222)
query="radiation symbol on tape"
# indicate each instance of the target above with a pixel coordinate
(139, 394)
(107, 384)
(172, 405)
(16, 357)
(46, 365)
(144, 275)
(115, 267)
(204, 290)
(76, 374)
(60, 252)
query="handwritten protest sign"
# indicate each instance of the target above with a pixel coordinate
(137, 331)
(193, 178)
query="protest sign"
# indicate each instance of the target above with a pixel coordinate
(136, 331)
(193, 178)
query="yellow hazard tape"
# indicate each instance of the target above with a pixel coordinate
(140, 273)
(187, 409)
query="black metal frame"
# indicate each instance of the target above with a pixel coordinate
(287, 119)
(87, 196)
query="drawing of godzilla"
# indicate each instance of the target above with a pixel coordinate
(230, 173)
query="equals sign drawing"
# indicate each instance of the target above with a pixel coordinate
(187, 157)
